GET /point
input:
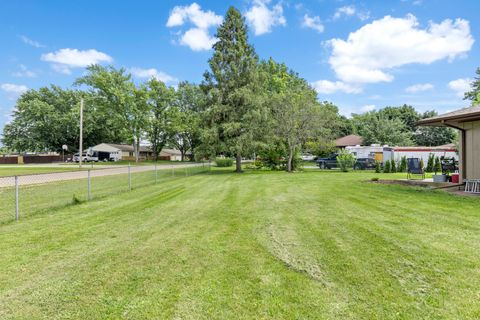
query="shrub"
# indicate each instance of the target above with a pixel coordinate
(386, 168)
(393, 166)
(345, 160)
(430, 163)
(437, 166)
(378, 167)
(224, 162)
(403, 164)
(374, 179)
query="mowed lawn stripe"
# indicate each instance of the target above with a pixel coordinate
(255, 245)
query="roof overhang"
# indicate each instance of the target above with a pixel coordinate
(450, 119)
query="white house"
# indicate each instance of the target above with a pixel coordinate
(126, 152)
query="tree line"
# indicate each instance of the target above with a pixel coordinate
(244, 107)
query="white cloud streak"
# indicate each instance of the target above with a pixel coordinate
(31, 42)
(24, 72)
(152, 73)
(64, 60)
(460, 86)
(420, 87)
(313, 23)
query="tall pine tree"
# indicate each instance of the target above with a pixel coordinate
(233, 118)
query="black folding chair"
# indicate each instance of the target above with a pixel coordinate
(414, 168)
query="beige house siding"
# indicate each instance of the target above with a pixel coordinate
(472, 148)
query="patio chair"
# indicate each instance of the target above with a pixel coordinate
(414, 168)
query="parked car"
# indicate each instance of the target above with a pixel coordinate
(327, 163)
(85, 157)
(364, 163)
(308, 157)
(76, 157)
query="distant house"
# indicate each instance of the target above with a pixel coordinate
(174, 155)
(348, 141)
(467, 121)
(126, 152)
(123, 151)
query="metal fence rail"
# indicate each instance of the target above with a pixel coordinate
(26, 195)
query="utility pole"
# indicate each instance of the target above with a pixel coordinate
(80, 154)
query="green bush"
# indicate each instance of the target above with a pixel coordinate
(345, 160)
(430, 163)
(393, 166)
(224, 162)
(378, 167)
(375, 179)
(255, 165)
(437, 166)
(386, 168)
(403, 164)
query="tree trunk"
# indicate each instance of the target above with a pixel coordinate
(290, 158)
(238, 162)
(136, 148)
(182, 153)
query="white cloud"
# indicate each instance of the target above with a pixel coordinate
(152, 73)
(367, 108)
(31, 42)
(460, 86)
(193, 13)
(263, 19)
(64, 60)
(344, 11)
(370, 53)
(329, 87)
(313, 23)
(13, 90)
(348, 11)
(419, 87)
(197, 38)
(24, 72)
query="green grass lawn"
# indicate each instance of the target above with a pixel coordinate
(258, 245)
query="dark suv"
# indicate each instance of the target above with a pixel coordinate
(327, 163)
(331, 162)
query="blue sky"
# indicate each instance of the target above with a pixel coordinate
(361, 55)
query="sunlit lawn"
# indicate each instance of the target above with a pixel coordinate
(272, 245)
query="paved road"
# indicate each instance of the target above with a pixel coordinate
(75, 175)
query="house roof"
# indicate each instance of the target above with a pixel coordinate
(350, 140)
(446, 147)
(173, 152)
(127, 147)
(461, 115)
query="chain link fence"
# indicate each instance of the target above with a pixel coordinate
(26, 195)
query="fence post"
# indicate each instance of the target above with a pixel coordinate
(89, 187)
(17, 214)
(129, 179)
(156, 173)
